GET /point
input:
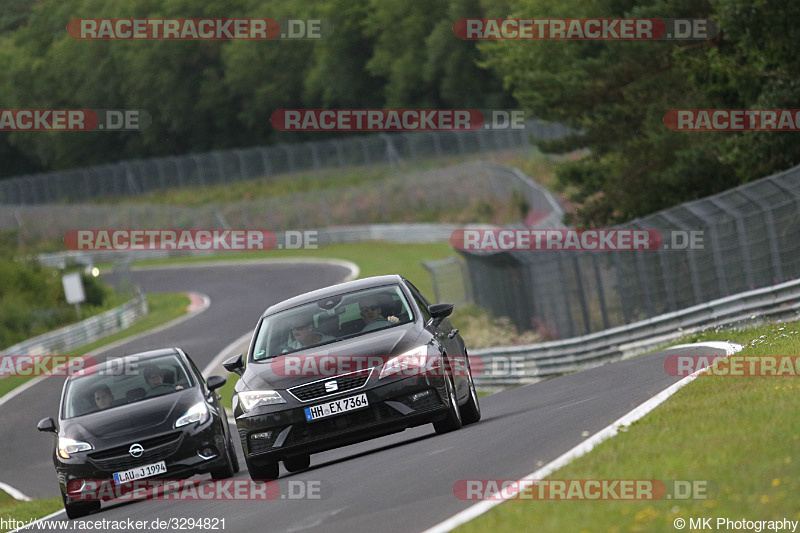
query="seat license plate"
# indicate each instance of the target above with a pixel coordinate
(336, 407)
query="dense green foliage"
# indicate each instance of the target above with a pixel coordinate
(617, 94)
(32, 300)
(206, 95)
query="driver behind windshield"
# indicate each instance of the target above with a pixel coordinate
(373, 309)
(154, 378)
(303, 333)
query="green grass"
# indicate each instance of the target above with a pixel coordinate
(163, 308)
(300, 182)
(25, 511)
(740, 434)
(258, 188)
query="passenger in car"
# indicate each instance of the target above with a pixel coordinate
(103, 398)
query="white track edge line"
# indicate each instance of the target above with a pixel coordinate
(583, 448)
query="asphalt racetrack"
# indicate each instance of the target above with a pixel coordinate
(402, 482)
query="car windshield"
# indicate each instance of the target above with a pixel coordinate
(123, 381)
(343, 316)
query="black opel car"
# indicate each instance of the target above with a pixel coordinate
(345, 364)
(150, 415)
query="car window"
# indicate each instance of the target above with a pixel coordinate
(318, 323)
(124, 381)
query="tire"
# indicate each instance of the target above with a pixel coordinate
(471, 412)
(268, 471)
(297, 463)
(77, 510)
(453, 420)
(234, 458)
(228, 469)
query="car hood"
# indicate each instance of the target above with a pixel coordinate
(332, 359)
(131, 421)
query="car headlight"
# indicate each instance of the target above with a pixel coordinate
(196, 413)
(411, 363)
(66, 447)
(255, 398)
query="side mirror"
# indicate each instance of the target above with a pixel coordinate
(46, 424)
(234, 364)
(215, 382)
(439, 312)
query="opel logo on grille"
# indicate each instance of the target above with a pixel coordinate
(136, 450)
(331, 386)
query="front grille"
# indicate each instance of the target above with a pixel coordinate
(119, 458)
(344, 382)
(303, 431)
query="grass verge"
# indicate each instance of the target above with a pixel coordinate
(11, 509)
(738, 434)
(163, 308)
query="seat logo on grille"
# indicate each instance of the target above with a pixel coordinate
(331, 386)
(136, 450)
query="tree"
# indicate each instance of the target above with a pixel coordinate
(616, 94)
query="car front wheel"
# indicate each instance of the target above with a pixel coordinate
(471, 412)
(230, 467)
(78, 509)
(295, 464)
(453, 419)
(267, 471)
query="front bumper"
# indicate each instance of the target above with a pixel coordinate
(277, 432)
(89, 476)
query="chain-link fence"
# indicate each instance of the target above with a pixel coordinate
(418, 196)
(750, 238)
(134, 177)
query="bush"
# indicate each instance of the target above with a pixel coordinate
(32, 300)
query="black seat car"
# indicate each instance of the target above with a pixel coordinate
(345, 364)
(115, 426)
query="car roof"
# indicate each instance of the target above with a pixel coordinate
(151, 354)
(333, 290)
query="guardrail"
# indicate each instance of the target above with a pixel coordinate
(780, 302)
(89, 330)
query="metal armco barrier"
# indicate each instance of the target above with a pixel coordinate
(59, 341)
(781, 302)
